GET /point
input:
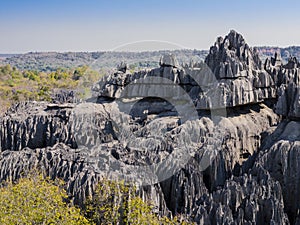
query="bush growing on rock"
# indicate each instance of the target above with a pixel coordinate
(36, 200)
(114, 202)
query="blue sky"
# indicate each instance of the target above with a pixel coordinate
(94, 25)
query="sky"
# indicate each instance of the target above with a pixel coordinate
(98, 25)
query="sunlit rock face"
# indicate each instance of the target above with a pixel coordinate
(232, 75)
(227, 129)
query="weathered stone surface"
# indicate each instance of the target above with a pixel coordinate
(178, 194)
(68, 164)
(168, 60)
(237, 166)
(241, 80)
(122, 67)
(280, 156)
(231, 76)
(230, 56)
(38, 125)
(248, 199)
(287, 79)
(289, 100)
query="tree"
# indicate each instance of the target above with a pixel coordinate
(35, 200)
(114, 202)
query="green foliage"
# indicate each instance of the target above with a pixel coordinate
(35, 200)
(31, 75)
(5, 69)
(106, 206)
(140, 213)
(32, 85)
(79, 72)
(117, 203)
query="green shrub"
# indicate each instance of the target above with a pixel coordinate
(27, 85)
(35, 200)
(117, 203)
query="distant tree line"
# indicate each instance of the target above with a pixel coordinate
(29, 85)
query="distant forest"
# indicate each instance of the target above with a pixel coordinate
(51, 61)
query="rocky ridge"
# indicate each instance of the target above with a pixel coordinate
(232, 75)
(240, 167)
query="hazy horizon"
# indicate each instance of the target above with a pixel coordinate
(133, 51)
(96, 25)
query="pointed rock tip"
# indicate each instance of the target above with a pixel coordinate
(168, 59)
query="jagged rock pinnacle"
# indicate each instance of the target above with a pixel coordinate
(231, 55)
(168, 60)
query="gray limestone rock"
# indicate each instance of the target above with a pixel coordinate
(38, 125)
(248, 199)
(287, 79)
(231, 76)
(236, 166)
(81, 162)
(280, 156)
(169, 60)
(122, 67)
(230, 56)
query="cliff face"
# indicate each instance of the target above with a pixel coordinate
(232, 75)
(239, 72)
(237, 164)
(280, 157)
(39, 125)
